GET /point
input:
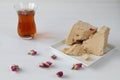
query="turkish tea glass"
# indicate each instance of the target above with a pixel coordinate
(26, 23)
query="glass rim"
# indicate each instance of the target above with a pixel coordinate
(25, 5)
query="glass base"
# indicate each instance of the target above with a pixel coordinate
(28, 37)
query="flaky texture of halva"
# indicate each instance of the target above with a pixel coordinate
(93, 41)
(75, 50)
(98, 42)
(80, 31)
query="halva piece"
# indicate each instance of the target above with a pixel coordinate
(79, 32)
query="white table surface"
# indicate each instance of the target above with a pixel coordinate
(54, 20)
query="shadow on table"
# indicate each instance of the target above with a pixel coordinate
(43, 36)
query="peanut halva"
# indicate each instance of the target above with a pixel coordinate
(85, 38)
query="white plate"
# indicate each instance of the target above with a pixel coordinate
(57, 48)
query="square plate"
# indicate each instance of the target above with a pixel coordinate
(57, 49)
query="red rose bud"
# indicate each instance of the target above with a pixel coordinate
(53, 56)
(32, 52)
(46, 64)
(59, 74)
(77, 66)
(15, 68)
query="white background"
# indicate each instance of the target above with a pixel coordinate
(54, 19)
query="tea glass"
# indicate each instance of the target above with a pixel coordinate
(26, 23)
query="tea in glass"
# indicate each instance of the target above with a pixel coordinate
(26, 22)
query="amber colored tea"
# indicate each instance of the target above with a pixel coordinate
(26, 23)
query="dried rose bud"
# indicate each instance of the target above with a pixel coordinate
(59, 74)
(45, 65)
(53, 56)
(49, 63)
(77, 66)
(15, 68)
(91, 29)
(32, 52)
